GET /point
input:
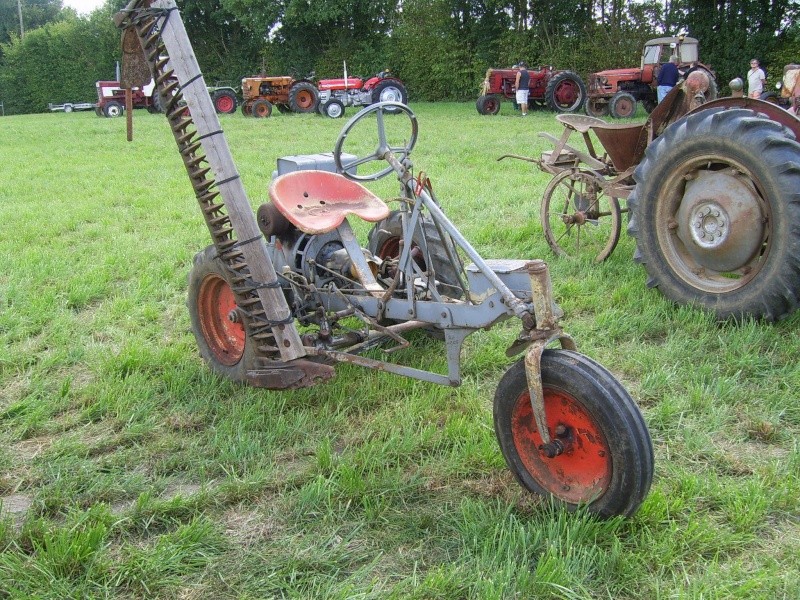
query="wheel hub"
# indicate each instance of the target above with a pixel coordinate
(720, 220)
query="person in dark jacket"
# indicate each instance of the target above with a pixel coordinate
(667, 77)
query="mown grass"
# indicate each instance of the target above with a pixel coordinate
(128, 470)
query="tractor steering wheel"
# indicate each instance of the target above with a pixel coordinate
(383, 150)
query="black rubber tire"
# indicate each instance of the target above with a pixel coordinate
(389, 90)
(565, 92)
(284, 109)
(156, 106)
(622, 105)
(607, 432)
(113, 109)
(261, 109)
(649, 104)
(333, 109)
(488, 104)
(303, 97)
(771, 97)
(247, 108)
(383, 242)
(596, 107)
(223, 344)
(225, 102)
(765, 158)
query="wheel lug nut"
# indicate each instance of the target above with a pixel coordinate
(233, 316)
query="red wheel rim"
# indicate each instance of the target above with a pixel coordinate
(305, 99)
(583, 472)
(225, 338)
(224, 104)
(566, 93)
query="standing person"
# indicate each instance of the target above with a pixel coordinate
(667, 77)
(522, 82)
(755, 80)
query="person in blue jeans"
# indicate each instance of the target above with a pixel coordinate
(667, 77)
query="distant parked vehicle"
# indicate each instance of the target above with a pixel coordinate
(68, 107)
(261, 93)
(336, 94)
(561, 91)
(616, 91)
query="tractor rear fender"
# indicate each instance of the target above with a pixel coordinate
(773, 111)
(373, 81)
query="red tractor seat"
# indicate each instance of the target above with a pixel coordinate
(319, 201)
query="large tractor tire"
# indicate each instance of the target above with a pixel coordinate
(225, 102)
(390, 90)
(488, 104)
(565, 92)
(716, 214)
(622, 105)
(303, 97)
(607, 459)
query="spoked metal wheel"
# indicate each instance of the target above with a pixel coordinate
(606, 458)
(578, 217)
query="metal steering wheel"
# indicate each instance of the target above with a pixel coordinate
(383, 150)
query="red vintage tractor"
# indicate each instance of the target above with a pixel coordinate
(561, 91)
(616, 91)
(335, 94)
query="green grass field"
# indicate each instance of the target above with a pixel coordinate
(127, 470)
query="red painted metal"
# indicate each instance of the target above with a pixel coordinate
(583, 471)
(216, 307)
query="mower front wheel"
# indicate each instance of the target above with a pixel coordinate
(606, 458)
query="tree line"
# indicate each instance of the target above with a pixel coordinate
(440, 48)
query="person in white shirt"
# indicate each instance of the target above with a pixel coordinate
(755, 80)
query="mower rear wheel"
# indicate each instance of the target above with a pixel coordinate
(261, 109)
(385, 242)
(216, 322)
(578, 218)
(622, 105)
(488, 104)
(606, 461)
(303, 97)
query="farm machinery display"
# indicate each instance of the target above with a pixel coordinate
(615, 92)
(261, 93)
(278, 300)
(561, 91)
(111, 98)
(713, 199)
(336, 94)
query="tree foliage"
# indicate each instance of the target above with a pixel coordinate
(440, 48)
